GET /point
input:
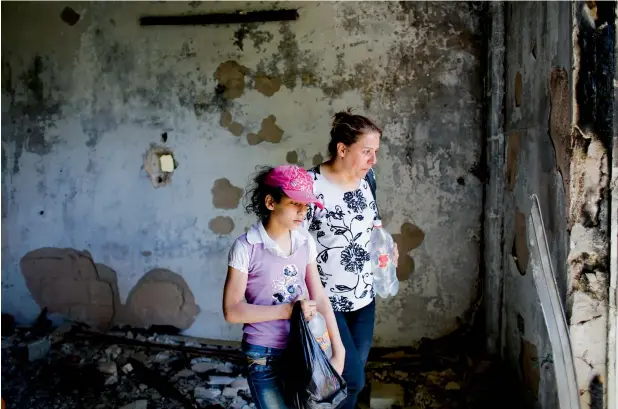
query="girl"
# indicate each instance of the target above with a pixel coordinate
(270, 267)
(342, 231)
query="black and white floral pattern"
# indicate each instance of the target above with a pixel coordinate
(342, 231)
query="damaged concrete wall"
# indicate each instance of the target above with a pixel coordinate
(594, 65)
(91, 100)
(537, 134)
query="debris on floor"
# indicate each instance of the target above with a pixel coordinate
(134, 369)
(128, 368)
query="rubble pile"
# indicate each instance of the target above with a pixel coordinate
(439, 375)
(71, 368)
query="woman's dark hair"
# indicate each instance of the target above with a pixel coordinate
(347, 128)
(255, 194)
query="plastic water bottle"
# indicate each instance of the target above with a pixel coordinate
(385, 281)
(317, 326)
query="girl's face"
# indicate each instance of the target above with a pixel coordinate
(287, 213)
(361, 155)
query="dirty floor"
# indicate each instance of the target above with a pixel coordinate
(74, 367)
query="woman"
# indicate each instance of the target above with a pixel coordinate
(342, 231)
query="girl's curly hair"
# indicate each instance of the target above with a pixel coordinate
(256, 192)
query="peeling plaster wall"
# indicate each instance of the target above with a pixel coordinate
(537, 154)
(84, 97)
(589, 257)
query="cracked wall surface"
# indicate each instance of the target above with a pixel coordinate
(86, 91)
(537, 134)
(559, 125)
(594, 39)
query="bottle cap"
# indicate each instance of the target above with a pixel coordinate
(377, 223)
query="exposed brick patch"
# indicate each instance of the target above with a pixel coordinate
(66, 281)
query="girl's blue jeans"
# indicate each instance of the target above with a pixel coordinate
(264, 375)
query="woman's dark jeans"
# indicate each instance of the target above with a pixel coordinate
(356, 328)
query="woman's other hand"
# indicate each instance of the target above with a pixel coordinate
(395, 255)
(337, 361)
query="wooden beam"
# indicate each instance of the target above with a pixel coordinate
(220, 18)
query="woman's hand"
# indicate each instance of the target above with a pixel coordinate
(395, 254)
(337, 361)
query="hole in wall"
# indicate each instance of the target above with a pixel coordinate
(164, 137)
(69, 16)
(159, 164)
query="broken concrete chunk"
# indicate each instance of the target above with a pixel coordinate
(220, 380)
(238, 403)
(127, 368)
(113, 351)
(112, 380)
(202, 367)
(240, 384)
(139, 356)
(205, 393)
(162, 356)
(185, 373)
(386, 395)
(138, 404)
(226, 368)
(108, 368)
(230, 392)
(38, 349)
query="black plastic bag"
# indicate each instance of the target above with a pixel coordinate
(309, 379)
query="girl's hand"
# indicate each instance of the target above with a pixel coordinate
(309, 307)
(337, 361)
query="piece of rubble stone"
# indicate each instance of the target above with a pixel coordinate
(111, 380)
(108, 368)
(185, 373)
(139, 356)
(138, 404)
(241, 384)
(220, 380)
(386, 395)
(38, 349)
(113, 351)
(202, 367)
(205, 393)
(226, 368)
(237, 403)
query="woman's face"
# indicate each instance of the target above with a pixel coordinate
(359, 157)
